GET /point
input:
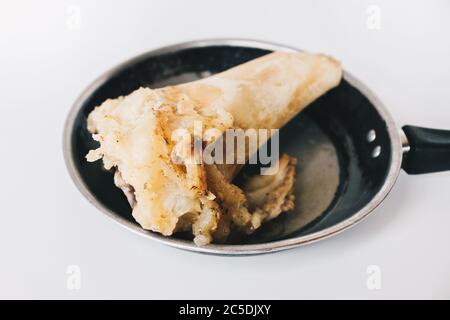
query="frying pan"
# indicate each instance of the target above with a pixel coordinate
(350, 151)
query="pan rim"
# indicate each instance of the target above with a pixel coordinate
(244, 249)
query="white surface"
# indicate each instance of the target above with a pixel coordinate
(47, 225)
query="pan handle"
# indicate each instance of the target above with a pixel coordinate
(429, 150)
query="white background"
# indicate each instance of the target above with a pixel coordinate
(47, 225)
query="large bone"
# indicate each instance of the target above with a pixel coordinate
(135, 135)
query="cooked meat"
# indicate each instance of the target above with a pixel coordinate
(168, 189)
(127, 189)
(269, 195)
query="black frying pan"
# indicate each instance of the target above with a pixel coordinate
(350, 151)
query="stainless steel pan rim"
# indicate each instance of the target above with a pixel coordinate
(246, 249)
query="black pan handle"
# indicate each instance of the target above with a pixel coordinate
(429, 150)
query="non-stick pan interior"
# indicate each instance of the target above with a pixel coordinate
(341, 141)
